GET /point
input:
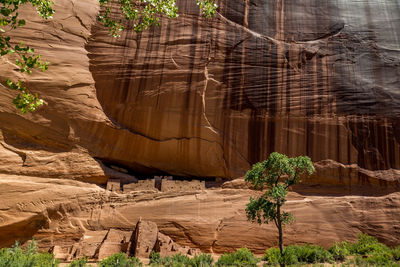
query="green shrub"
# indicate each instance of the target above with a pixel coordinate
(290, 255)
(180, 258)
(79, 263)
(368, 245)
(314, 254)
(202, 260)
(374, 260)
(272, 255)
(16, 257)
(295, 254)
(177, 260)
(155, 257)
(242, 257)
(368, 252)
(396, 253)
(120, 260)
(311, 254)
(339, 251)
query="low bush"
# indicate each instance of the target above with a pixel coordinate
(180, 260)
(120, 260)
(374, 260)
(82, 262)
(367, 251)
(339, 251)
(155, 257)
(295, 254)
(177, 260)
(396, 253)
(368, 245)
(313, 254)
(272, 256)
(17, 257)
(202, 260)
(242, 257)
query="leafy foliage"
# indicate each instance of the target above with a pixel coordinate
(272, 255)
(269, 174)
(370, 252)
(339, 251)
(120, 260)
(82, 262)
(207, 7)
(143, 13)
(367, 251)
(396, 253)
(243, 257)
(155, 257)
(177, 260)
(26, 59)
(30, 257)
(368, 245)
(306, 254)
(298, 254)
(202, 260)
(373, 260)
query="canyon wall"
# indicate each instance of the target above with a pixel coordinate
(206, 98)
(316, 78)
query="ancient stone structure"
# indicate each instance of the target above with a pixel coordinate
(152, 184)
(205, 98)
(148, 184)
(182, 186)
(114, 185)
(138, 242)
(146, 235)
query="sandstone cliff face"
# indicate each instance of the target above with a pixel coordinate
(74, 215)
(206, 98)
(298, 77)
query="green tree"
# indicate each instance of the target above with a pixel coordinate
(143, 13)
(26, 59)
(276, 175)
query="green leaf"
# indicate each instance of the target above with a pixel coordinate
(21, 23)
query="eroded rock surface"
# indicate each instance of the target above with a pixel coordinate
(146, 235)
(204, 98)
(77, 217)
(298, 77)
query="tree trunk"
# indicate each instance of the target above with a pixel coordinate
(278, 211)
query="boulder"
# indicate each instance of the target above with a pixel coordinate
(114, 242)
(167, 247)
(146, 233)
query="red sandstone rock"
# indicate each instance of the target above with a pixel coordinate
(145, 238)
(115, 241)
(208, 98)
(63, 213)
(167, 247)
(205, 98)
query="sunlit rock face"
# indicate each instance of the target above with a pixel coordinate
(211, 97)
(206, 98)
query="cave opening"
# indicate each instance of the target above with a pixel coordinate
(127, 174)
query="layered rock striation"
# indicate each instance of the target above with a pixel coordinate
(205, 98)
(75, 219)
(214, 96)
